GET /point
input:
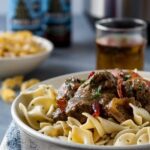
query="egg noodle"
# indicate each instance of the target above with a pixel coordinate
(96, 130)
(19, 44)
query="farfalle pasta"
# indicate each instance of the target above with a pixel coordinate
(43, 109)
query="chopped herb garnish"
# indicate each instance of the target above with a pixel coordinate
(126, 77)
(99, 89)
(97, 93)
(140, 87)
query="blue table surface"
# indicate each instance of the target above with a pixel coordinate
(80, 56)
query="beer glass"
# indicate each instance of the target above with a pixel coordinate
(120, 43)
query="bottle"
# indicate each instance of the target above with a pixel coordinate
(57, 22)
(25, 15)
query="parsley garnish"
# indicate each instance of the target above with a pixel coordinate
(140, 87)
(127, 76)
(97, 93)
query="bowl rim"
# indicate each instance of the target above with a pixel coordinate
(49, 49)
(33, 133)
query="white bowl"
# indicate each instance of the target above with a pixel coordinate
(23, 65)
(46, 142)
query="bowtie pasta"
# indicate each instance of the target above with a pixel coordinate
(96, 130)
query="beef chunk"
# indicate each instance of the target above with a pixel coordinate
(65, 92)
(103, 89)
(139, 89)
(100, 87)
(76, 107)
(119, 108)
(59, 115)
(104, 101)
(68, 88)
(101, 81)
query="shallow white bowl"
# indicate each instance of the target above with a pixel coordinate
(25, 64)
(46, 142)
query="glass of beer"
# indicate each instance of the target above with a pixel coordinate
(120, 43)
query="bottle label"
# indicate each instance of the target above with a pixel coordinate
(57, 19)
(25, 15)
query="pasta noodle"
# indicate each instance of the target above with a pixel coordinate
(140, 114)
(40, 105)
(109, 126)
(18, 44)
(82, 136)
(93, 123)
(51, 110)
(96, 130)
(53, 131)
(143, 136)
(130, 124)
(43, 124)
(29, 83)
(44, 101)
(126, 139)
(33, 94)
(124, 132)
(65, 127)
(34, 116)
(103, 141)
(73, 122)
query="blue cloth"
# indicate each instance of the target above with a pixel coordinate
(15, 139)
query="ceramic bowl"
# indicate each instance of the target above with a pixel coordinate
(46, 142)
(25, 64)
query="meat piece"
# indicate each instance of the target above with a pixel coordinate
(59, 115)
(104, 94)
(139, 89)
(104, 101)
(100, 87)
(65, 92)
(77, 106)
(68, 88)
(102, 81)
(123, 76)
(119, 108)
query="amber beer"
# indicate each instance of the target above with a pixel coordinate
(124, 52)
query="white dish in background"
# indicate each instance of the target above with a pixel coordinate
(46, 142)
(25, 64)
